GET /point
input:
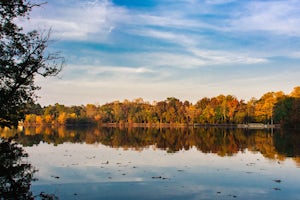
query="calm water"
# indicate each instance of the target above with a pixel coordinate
(109, 163)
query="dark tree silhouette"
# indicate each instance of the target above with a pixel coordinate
(287, 112)
(22, 57)
(15, 174)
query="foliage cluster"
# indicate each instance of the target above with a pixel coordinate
(271, 107)
(23, 56)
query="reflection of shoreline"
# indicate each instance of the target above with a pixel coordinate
(258, 126)
(222, 141)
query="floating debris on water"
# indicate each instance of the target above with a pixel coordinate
(57, 177)
(159, 177)
(250, 164)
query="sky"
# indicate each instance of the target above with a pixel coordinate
(154, 49)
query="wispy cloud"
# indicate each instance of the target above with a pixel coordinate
(81, 20)
(219, 1)
(168, 36)
(222, 57)
(78, 21)
(99, 74)
(278, 17)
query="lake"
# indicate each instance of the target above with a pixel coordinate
(144, 163)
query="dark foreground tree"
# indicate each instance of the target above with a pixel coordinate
(23, 56)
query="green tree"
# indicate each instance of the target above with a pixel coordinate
(22, 57)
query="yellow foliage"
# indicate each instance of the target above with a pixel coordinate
(72, 115)
(39, 120)
(61, 132)
(48, 119)
(38, 129)
(48, 131)
(296, 92)
(31, 118)
(62, 118)
(97, 117)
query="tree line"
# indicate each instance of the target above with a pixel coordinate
(272, 107)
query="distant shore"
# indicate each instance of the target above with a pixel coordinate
(162, 125)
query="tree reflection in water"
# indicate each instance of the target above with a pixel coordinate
(16, 174)
(273, 144)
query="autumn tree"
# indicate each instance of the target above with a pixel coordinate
(160, 109)
(232, 105)
(91, 110)
(250, 109)
(241, 113)
(296, 92)
(264, 107)
(22, 57)
(201, 110)
(190, 112)
(173, 106)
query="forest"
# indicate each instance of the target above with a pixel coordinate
(271, 108)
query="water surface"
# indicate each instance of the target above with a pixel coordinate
(140, 163)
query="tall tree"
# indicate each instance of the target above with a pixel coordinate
(22, 57)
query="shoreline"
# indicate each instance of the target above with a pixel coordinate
(161, 125)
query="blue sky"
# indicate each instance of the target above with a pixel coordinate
(154, 49)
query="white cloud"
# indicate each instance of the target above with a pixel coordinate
(279, 17)
(116, 69)
(179, 60)
(169, 20)
(169, 36)
(221, 57)
(219, 1)
(194, 58)
(295, 54)
(78, 21)
(88, 74)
